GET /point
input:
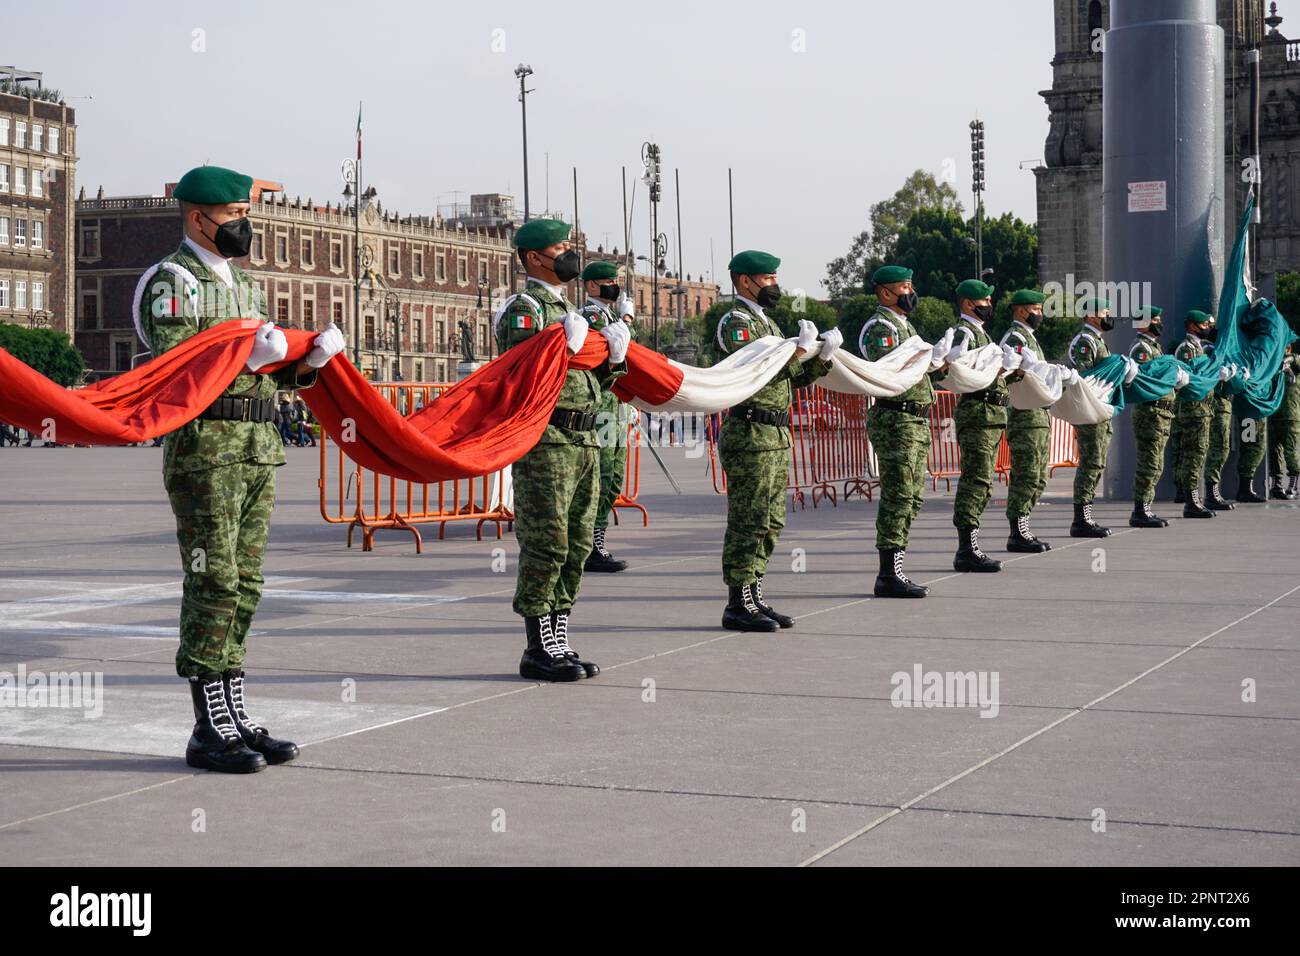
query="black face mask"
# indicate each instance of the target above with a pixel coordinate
(1154, 329)
(906, 303)
(1211, 334)
(1033, 320)
(609, 292)
(1107, 323)
(983, 312)
(768, 296)
(565, 266)
(233, 239)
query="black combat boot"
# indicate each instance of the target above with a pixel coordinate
(255, 736)
(784, 620)
(1293, 486)
(969, 557)
(891, 582)
(742, 612)
(560, 628)
(1193, 508)
(1022, 539)
(1275, 490)
(1215, 501)
(544, 659)
(600, 559)
(1083, 526)
(1246, 491)
(1144, 517)
(1180, 495)
(216, 743)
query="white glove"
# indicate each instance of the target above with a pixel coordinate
(831, 340)
(807, 336)
(575, 330)
(617, 336)
(1072, 376)
(1227, 371)
(1245, 374)
(269, 346)
(939, 354)
(1183, 378)
(1030, 364)
(623, 306)
(325, 346)
(1130, 370)
(1010, 359)
(957, 351)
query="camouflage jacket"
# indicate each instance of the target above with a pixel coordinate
(1087, 348)
(1143, 350)
(1289, 410)
(1189, 350)
(737, 329)
(880, 335)
(1022, 339)
(971, 408)
(584, 389)
(174, 307)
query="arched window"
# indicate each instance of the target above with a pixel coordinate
(1094, 24)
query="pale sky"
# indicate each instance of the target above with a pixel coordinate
(820, 108)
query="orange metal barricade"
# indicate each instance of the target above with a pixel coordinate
(1063, 446)
(838, 448)
(631, 475)
(944, 458)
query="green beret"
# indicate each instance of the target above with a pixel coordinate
(751, 262)
(540, 233)
(1197, 317)
(888, 275)
(1027, 297)
(1092, 305)
(213, 186)
(600, 269)
(1144, 317)
(973, 289)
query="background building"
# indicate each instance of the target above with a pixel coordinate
(1069, 184)
(38, 165)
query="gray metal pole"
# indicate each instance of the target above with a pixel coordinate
(1162, 178)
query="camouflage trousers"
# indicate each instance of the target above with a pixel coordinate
(1151, 424)
(1251, 453)
(756, 482)
(1094, 442)
(901, 442)
(979, 457)
(556, 491)
(1029, 450)
(1193, 444)
(1220, 438)
(613, 464)
(1284, 446)
(223, 515)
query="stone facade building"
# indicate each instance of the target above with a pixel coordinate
(1070, 181)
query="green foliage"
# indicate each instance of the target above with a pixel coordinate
(818, 313)
(931, 317)
(1288, 298)
(49, 352)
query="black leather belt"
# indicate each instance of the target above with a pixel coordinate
(919, 409)
(233, 409)
(573, 420)
(748, 413)
(988, 398)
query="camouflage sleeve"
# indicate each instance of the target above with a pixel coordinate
(595, 318)
(1082, 354)
(803, 374)
(877, 340)
(1140, 353)
(1184, 353)
(168, 311)
(736, 330)
(520, 322)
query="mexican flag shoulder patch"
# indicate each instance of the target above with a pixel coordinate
(740, 335)
(885, 340)
(521, 321)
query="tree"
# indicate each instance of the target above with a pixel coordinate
(1288, 298)
(876, 245)
(49, 352)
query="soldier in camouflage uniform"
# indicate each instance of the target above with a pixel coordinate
(1088, 348)
(1151, 424)
(754, 440)
(557, 482)
(899, 429)
(1194, 419)
(219, 469)
(1284, 434)
(981, 419)
(1028, 429)
(1250, 455)
(1220, 440)
(605, 304)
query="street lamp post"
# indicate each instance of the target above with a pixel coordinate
(659, 242)
(523, 71)
(361, 259)
(977, 184)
